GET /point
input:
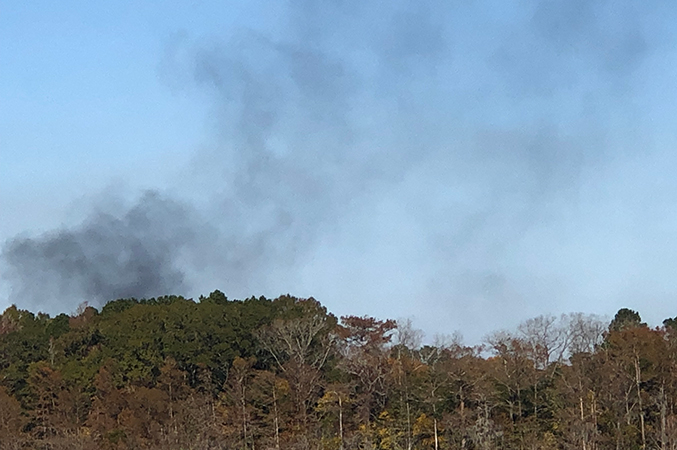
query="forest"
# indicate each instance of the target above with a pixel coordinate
(174, 373)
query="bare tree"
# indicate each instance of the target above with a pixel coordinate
(547, 338)
(300, 347)
(586, 332)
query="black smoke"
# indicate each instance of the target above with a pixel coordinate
(135, 254)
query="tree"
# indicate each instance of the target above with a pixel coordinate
(363, 350)
(335, 402)
(638, 356)
(405, 366)
(11, 420)
(237, 391)
(270, 395)
(300, 344)
(624, 319)
(46, 387)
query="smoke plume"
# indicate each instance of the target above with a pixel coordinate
(433, 155)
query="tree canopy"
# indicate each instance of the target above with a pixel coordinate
(284, 373)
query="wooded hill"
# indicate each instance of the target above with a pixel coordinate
(172, 373)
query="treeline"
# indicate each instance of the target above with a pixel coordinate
(171, 373)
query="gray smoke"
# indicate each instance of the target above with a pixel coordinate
(422, 151)
(135, 254)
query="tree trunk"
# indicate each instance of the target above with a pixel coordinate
(340, 421)
(244, 419)
(276, 418)
(435, 427)
(663, 419)
(638, 379)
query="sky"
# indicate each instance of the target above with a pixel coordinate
(467, 165)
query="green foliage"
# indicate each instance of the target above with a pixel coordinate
(626, 318)
(118, 306)
(58, 326)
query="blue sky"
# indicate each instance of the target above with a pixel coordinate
(466, 165)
